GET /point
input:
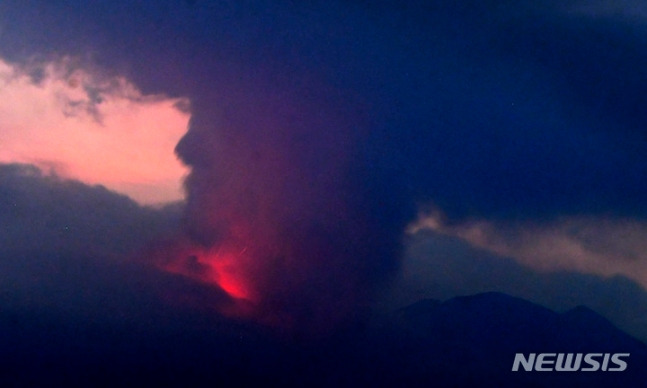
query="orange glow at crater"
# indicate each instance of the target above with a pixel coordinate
(223, 268)
(225, 273)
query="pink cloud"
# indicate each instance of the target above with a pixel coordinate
(589, 244)
(96, 129)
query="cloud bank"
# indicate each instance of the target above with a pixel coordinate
(596, 245)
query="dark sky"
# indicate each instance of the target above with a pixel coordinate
(496, 109)
(320, 130)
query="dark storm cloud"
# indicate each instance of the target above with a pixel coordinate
(45, 214)
(326, 123)
(79, 253)
(496, 108)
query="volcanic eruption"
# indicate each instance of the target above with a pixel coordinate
(281, 212)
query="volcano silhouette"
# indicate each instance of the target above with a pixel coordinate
(464, 342)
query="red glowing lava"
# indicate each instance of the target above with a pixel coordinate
(225, 272)
(220, 267)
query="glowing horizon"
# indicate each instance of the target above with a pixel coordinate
(99, 130)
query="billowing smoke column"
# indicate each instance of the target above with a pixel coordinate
(317, 125)
(280, 213)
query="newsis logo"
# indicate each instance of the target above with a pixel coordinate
(570, 362)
